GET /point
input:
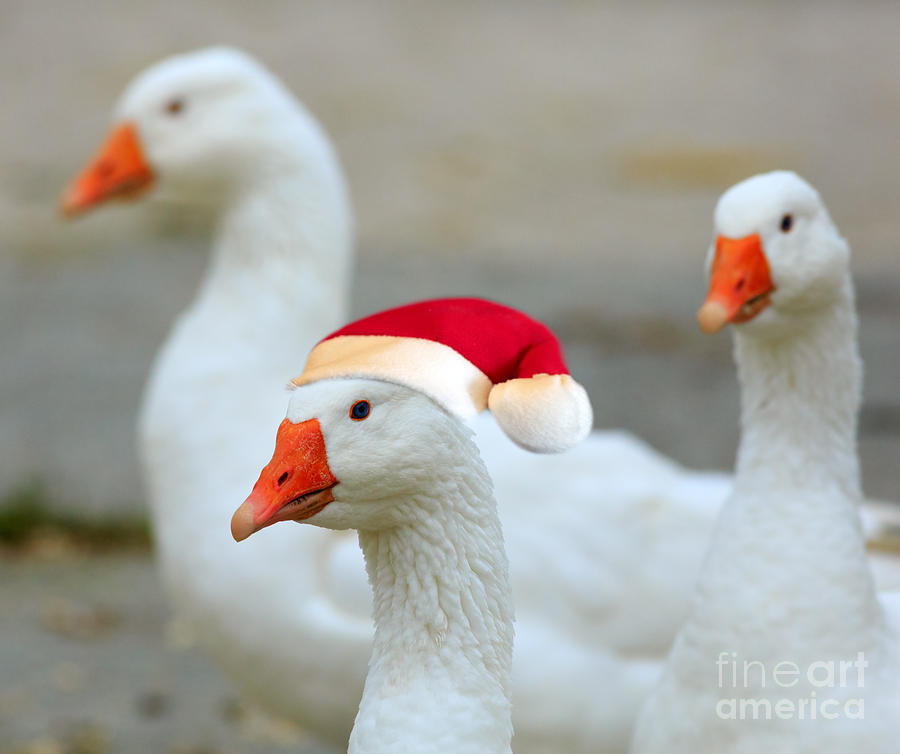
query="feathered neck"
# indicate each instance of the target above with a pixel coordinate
(440, 664)
(787, 569)
(281, 256)
(800, 395)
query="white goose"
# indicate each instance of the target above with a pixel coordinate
(215, 128)
(786, 587)
(374, 441)
(408, 476)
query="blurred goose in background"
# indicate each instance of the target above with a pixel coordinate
(216, 128)
(595, 535)
(786, 583)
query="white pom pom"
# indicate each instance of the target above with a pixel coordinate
(546, 413)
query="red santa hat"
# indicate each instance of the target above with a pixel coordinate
(467, 354)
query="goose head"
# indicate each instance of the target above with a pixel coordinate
(777, 257)
(198, 127)
(348, 454)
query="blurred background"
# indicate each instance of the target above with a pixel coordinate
(564, 158)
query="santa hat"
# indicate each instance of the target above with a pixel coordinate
(466, 354)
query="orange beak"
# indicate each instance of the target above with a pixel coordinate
(739, 283)
(294, 485)
(118, 170)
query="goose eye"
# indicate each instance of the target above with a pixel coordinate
(174, 106)
(787, 222)
(360, 410)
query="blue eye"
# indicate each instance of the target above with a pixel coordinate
(360, 410)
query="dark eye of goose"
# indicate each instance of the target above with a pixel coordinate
(360, 410)
(174, 106)
(787, 222)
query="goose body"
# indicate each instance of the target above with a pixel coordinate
(786, 579)
(595, 534)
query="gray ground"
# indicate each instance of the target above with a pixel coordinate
(562, 157)
(90, 665)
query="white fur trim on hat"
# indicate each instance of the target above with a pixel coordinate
(428, 366)
(546, 413)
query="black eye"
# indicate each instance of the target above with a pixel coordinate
(174, 106)
(787, 222)
(360, 410)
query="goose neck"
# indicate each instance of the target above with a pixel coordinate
(443, 619)
(280, 263)
(800, 396)
(788, 557)
(277, 221)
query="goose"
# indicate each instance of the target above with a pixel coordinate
(374, 441)
(215, 128)
(789, 646)
(410, 479)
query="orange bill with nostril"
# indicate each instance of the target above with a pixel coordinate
(293, 486)
(119, 169)
(739, 283)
